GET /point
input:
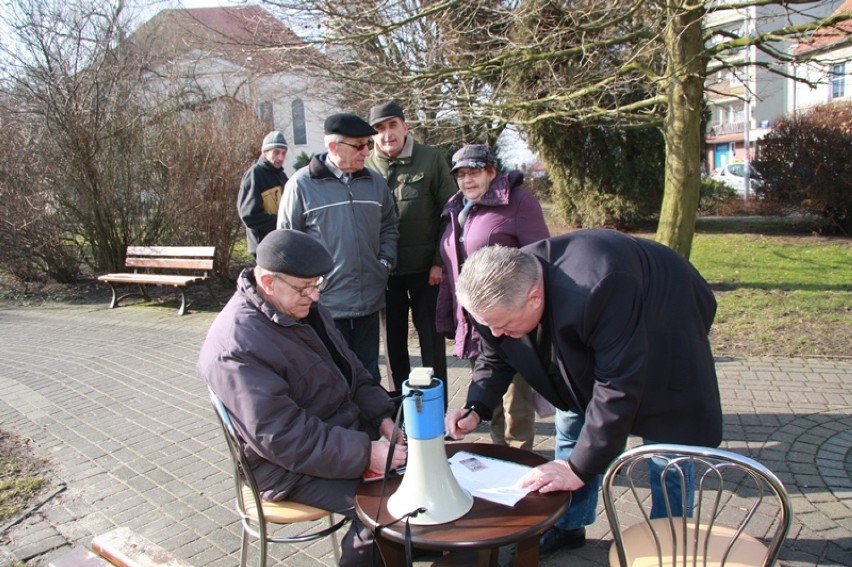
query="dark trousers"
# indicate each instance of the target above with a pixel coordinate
(413, 292)
(338, 495)
(362, 336)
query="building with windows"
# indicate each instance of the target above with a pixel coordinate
(247, 54)
(827, 73)
(746, 89)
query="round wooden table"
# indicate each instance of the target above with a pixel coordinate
(484, 529)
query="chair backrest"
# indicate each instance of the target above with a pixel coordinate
(243, 477)
(741, 512)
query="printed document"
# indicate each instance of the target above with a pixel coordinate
(489, 478)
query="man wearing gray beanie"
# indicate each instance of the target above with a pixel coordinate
(303, 403)
(260, 190)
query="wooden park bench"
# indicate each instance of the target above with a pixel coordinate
(176, 266)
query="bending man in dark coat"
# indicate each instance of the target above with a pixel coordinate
(307, 409)
(609, 328)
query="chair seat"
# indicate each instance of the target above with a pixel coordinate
(642, 552)
(283, 512)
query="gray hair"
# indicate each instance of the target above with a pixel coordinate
(497, 276)
(329, 138)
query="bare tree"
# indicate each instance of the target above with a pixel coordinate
(35, 243)
(205, 151)
(123, 159)
(66, 72)
(485, 63)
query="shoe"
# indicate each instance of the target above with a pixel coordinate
(557, 538)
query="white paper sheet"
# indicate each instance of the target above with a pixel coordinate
(493, 479)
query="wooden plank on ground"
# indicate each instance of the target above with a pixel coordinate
(123, 548)
(79, 557)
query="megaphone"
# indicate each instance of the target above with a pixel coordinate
(428, 482)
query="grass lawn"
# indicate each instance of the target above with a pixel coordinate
(779, 295)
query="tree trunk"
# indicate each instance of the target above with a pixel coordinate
(682, 127)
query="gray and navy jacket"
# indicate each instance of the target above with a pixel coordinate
(358, 225)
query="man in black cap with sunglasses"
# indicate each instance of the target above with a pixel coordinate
(350, 210)
(311, 417)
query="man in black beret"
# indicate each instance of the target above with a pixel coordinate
(260, 189)
(275, 359)
(419, 178)
(350, 209)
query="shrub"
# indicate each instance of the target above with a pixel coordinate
(716, 198)
(805, 165)
(302, 160)
(34, 242)
(205, 152)
(602, 176)
(541, 187)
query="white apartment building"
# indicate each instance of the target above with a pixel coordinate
(745, 101)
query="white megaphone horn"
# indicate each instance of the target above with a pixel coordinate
(428, 482)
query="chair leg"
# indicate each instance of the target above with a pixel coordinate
(261, 530)
(335, 547)
(244, 549)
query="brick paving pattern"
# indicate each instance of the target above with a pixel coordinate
(111, 398)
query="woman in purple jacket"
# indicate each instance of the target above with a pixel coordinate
(489, 208)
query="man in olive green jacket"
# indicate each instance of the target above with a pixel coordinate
(419, 178)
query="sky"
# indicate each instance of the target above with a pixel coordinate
(193, 3)
(148, 8)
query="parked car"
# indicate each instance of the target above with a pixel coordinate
(733, 175)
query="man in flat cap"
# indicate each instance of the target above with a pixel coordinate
(311, 417)
(350, 209)
(260, 190)
(419, 178)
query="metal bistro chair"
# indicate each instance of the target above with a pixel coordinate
(255, 513)
(732, 493)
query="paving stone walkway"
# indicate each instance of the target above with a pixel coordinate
(112, 399)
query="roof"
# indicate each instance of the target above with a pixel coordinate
(248, 36)
(827, 37)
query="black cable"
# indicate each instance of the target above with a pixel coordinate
(413, 513)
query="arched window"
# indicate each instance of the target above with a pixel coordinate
(300, 128)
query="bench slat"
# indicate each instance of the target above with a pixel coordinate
(161, 279)
(206, 251)
(171, 263)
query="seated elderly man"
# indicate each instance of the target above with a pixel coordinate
(309, 412)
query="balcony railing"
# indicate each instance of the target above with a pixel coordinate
(729, 128)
